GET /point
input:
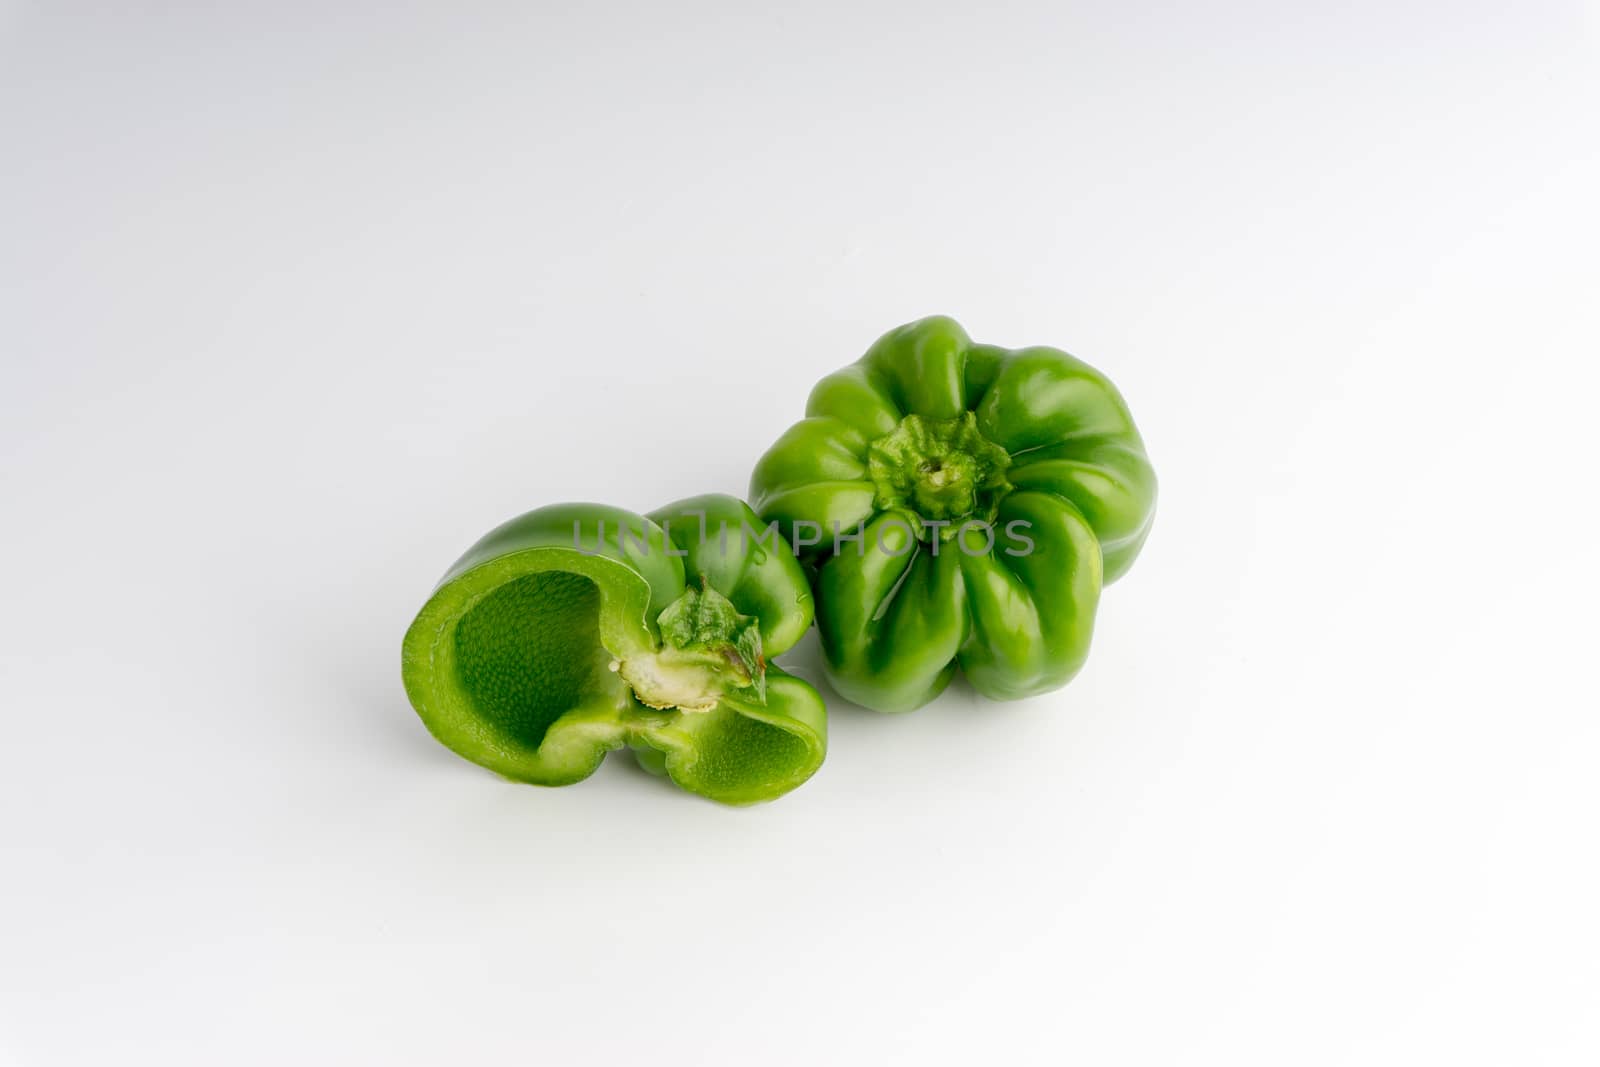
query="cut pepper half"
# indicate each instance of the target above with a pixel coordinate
(961, 506)
(578, 629)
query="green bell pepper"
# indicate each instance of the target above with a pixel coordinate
(578, 628)
(960, 504)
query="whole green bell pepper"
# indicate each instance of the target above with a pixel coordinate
(579, 628)
(961, 504)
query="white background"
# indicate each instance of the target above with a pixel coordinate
(296, 300)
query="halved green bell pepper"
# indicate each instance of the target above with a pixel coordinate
(961, 504)
(579, 628)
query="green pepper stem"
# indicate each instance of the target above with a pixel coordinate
(707, 650)
(942, 470)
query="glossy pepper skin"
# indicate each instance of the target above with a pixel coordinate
(995, 491)
(577, 629)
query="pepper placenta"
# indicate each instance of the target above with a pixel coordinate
(961, 505)
(577, 629)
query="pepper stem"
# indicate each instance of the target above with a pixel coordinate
(707, 650)
(940, 470)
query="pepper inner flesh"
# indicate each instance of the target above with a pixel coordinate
(530, 651)
(672, 679)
